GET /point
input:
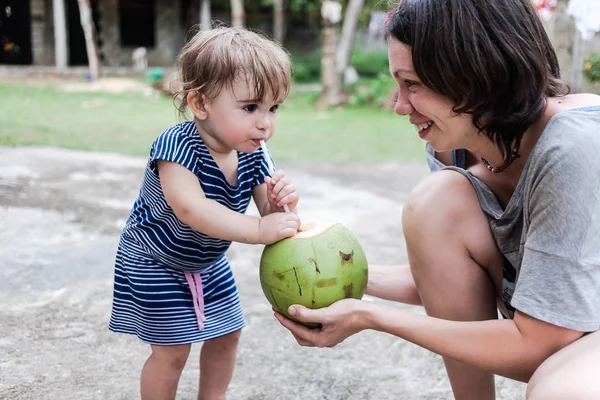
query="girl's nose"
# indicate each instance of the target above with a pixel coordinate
(403, 106)
(264, 123)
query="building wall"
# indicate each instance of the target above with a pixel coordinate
(41, 32)
(169, 35)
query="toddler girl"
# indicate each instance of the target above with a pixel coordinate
(173, 283)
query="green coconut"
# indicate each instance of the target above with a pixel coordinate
(320, 265)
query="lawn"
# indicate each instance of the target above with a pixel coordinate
(45, 115)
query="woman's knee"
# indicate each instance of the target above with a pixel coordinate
(557, 387)
(571, 373)
(444, 226)
(438, 202)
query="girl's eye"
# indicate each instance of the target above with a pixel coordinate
(274, 108)
(250, 107)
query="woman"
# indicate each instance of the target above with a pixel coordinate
(517, 230)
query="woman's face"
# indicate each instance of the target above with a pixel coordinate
(430, 112)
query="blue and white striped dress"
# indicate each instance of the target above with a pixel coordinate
(160, 259)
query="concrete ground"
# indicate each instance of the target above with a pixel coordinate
(60, 216)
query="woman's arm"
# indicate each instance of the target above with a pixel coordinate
(511, 348)
(189, 203)
(393, 283)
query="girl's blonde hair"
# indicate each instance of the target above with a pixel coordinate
(214, 59)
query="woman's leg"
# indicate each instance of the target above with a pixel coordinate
(217, 361)
(455, 263)
(162, 370)
(571, 373)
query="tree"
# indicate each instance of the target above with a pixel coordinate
(331, 12)
(237, 13)
(89, 31)
(334, 63)
(346, 44)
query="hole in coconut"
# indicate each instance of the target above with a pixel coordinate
(346, 258)
(312, 229)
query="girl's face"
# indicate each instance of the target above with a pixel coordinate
(234, 120)
(430, 112)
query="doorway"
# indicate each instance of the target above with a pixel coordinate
(15, 32)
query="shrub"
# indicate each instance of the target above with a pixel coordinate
(591, 67)
(307, 67)
(370, 64)
(377, 91)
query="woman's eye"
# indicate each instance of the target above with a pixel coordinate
(274, 108)
(250, 108)
(409, 84)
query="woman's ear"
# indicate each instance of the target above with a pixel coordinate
(197, 104)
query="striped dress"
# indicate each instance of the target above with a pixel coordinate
(174, 285)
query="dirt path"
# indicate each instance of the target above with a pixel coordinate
(60, 216)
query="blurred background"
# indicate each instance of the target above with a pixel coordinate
(107, 64)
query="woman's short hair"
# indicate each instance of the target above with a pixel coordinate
(493, 58)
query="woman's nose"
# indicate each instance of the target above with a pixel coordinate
(403, 106)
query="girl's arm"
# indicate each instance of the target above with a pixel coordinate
(393, 283)
(276, 192)
(259, 194)
(189, 203)
(511, 348)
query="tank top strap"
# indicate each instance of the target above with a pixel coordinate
(459, 158)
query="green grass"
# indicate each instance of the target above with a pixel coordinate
(43, 115)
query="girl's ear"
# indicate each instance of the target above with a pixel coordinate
(197, 104)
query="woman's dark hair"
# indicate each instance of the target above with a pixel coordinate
(493, 58)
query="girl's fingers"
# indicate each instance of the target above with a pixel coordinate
(289, 199)
(279, 186)
(285, 191)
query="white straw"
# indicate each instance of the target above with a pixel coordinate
(270, 165)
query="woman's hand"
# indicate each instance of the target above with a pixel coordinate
(281, 192)
(339, 321)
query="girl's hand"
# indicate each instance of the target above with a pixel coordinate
(280, 192)
(277, 226)
(338, 322)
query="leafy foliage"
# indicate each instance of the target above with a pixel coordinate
(591, 67)
(377, 91)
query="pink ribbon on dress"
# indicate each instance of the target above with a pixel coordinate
(195, 282)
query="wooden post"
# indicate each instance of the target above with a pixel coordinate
(205, 16)
(237, 13)
(60, 36)
(278, 20)
(85, 14)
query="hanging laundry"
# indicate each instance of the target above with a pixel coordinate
(586, 14)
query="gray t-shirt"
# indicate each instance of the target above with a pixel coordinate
(549, 232)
